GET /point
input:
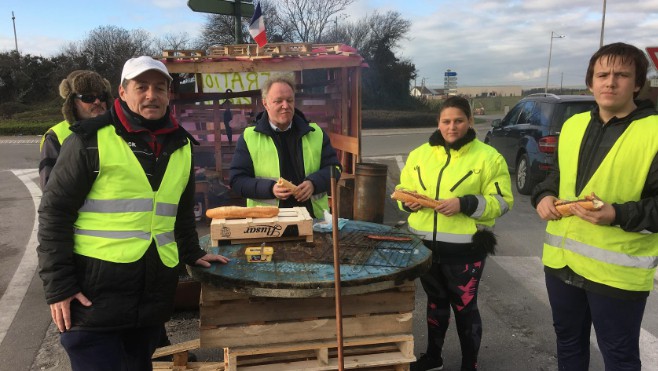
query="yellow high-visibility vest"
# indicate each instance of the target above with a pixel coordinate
(122, 214)
(605, 254)
(266, 163)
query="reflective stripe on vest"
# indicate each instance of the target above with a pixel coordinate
(122, 214)
(605, 254)
(61, 130)
(266, 163)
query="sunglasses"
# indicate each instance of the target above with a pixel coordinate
(90, 98)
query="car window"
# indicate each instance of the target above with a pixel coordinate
(569, 109)
(530, 114)
(512, 116)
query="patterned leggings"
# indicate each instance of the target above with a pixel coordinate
(456, 286)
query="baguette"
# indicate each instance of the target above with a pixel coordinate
(563, 206)
(408, 196)
(238, 212)
(287, 185)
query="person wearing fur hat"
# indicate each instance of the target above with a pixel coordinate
(86, 95)
(473, 184)
(115, 221)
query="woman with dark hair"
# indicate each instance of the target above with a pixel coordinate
(473, 184)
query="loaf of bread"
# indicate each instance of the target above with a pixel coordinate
(287, 185)
(238, 212)
(410, 196)
(563, 206)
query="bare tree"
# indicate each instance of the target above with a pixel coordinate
(367, 34)
(107, 48)
(310, 18)
(176, 41)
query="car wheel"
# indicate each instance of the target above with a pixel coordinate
(523, 183)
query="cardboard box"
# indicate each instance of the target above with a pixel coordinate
(291, 224)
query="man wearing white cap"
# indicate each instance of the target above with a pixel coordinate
(116, 223)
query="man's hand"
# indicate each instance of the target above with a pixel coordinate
(61, 311)
(449, 207)
(603, 216)
(205, 260)
(281, 192)
(304, 191)
(546, 208)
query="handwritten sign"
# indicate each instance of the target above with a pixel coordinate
(236, 81)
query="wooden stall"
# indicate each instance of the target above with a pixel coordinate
(216, 95)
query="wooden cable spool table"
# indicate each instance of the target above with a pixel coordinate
(280, 315)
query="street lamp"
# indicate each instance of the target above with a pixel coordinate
(550, 51)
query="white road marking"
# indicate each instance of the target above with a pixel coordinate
(13, 297)
(21, 141)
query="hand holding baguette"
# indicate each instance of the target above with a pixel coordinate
(588, 203)
(238, 212)
(404, 195)
(287, 185)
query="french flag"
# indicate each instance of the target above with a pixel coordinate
(257, 27)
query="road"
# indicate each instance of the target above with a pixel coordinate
(518, 331)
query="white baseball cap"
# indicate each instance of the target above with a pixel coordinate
(138, 65)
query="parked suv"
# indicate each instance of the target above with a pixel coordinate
(527, 135)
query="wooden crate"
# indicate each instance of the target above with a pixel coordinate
(283, 333)
(291, 223)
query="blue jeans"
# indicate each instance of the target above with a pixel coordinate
(124, 350)
(617, 323)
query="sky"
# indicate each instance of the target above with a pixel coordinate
(487, 42)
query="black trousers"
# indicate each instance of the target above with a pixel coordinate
(123, 350)
(454, 286)
(617, 323)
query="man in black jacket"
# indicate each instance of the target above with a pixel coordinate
(283, 144)
(116, 217)
(600, 264)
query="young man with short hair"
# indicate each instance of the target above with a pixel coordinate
(600, 264)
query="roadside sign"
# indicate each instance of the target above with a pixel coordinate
(653, 55)
(221, 7)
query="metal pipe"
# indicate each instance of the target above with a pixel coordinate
(334, 235)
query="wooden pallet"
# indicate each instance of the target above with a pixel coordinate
(183, 54)
(364, 353)
(274, 50)
(392, 352)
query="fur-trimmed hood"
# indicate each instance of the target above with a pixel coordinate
(82, 82)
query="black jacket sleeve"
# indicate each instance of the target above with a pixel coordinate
(48, 156)
(65, 192)
(185, 227)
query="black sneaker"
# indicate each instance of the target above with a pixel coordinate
(427, 363)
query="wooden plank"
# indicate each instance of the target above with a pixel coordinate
(280, 309)
(344, 143)
(350, 362)
(280, 65)
(176, 348)
(198, 366)
(350, 342)
(358, 353)
(299, 331)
